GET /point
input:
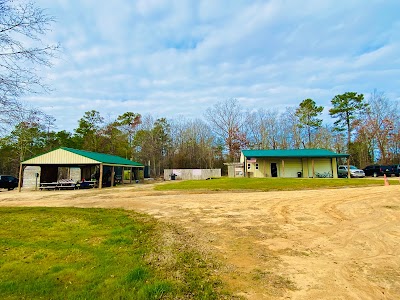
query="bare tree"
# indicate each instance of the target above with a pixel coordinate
(379, 125)
(262, 129)
(290, 134)
(227, 120)
(192, 142)
(22, 25)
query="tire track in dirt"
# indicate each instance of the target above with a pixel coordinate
(318, 244)
(350, 236)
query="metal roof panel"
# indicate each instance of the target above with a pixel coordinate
(70, 156)
(104, 158)
(293, 153)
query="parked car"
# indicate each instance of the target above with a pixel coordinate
(354, 172)
(8, 182)
(378, 170)
(396, 170)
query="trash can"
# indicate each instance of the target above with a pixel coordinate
(299, 174)
(173, 176)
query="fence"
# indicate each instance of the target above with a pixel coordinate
(191, 174)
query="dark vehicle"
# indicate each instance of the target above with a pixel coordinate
(8, 182)
(377, 170)
(396, 170)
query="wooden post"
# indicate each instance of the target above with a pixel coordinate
(130, 175)
(101, 177)
(313, 170)
(20, 178)
(334, 167)
(245, 167)
(348, 167)
(112, 176)
(264, 168)
(283, 168)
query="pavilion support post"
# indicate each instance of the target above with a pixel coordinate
(101, 176)
(20, 178)
(112, 176)
(283, 168)
(130, 175)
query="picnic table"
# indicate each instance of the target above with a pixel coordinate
(66, 184)
(48, 185)
(62, 184)
(86, 184)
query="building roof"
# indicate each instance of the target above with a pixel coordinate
(309, 153)
(104, 158)
(70, 156)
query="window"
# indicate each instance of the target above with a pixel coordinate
(256, 166)
(248, 166)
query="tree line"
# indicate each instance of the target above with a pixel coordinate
(367, 129)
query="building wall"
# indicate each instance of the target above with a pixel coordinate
(319, 167)
(285, 168)
(75, 174)
(289, 167)
(192, 174)
(235, 169)
(29, 177)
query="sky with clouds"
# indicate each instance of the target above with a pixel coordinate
(172, 58)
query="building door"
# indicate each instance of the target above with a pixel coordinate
(274, 170)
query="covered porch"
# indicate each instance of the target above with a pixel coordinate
(302, 163)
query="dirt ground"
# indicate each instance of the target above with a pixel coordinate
(316, 244)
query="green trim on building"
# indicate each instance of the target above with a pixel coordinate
(293, 153)
(104, 158)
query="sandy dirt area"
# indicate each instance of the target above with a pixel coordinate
(316, 244)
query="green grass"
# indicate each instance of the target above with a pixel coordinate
(270, 184)
(71, 253)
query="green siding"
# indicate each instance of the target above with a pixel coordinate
(104, 158)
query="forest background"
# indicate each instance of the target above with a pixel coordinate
(369, 130)
(366, 127)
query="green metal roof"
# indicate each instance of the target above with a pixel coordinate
(104, 158)
(293, 153)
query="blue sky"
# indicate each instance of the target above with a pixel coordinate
(177, 58)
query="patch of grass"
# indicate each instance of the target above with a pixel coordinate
(275, 283)
(71, 253)
(269, 184)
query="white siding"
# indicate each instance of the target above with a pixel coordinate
(30, 177)
(75, 174)
(192, 174)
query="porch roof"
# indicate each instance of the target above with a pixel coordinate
(293, 153)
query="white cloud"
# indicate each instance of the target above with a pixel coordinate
(171, 58)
